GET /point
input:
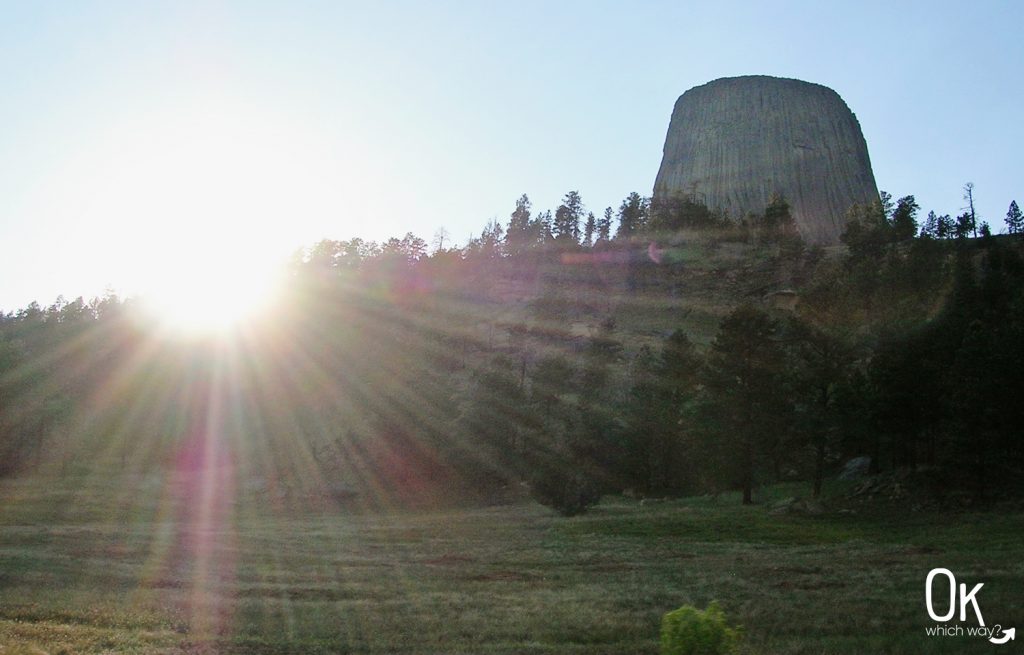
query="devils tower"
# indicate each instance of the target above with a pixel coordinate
(735, 141)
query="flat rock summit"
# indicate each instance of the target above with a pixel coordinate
(735, 141)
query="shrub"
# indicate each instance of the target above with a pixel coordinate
(690, 631)
(567, 492)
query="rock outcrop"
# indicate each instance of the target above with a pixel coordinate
(734, 142)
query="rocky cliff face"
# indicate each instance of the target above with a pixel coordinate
(735, 141)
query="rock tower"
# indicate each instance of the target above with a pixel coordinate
(735, 141)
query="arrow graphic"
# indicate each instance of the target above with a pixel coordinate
(1008, 634)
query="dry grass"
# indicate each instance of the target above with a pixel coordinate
(119, 572)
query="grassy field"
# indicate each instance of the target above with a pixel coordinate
(108, 566)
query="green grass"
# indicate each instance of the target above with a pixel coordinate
(119, 566)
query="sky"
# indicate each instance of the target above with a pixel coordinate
(139, 141)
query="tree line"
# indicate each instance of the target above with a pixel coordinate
(907, 349)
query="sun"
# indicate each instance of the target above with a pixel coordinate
(195, 210)
(211, 297)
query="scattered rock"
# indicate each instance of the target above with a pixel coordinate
(856, 468)
(798, 506)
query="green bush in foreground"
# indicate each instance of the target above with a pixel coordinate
(690, 631)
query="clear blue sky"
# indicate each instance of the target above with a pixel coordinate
(136, 136)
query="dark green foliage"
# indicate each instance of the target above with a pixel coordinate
(965, 226)
(561, 485)
(655, 414)
(489, 245)
(870, 229)
(904, 219)
(690, 631)
(633, 214)
(604, 226)
(566, 226)
(743, 390)
(937, 227)
(521, 233)
(493, 418)
(552, 377)
(1014, 219)
(681, 211)
(867, 230)
(589, 229)
(600, 354)
(414, 371)
(820, 364)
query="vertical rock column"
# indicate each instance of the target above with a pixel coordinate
(735, 141)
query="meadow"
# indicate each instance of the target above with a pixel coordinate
(104, 566)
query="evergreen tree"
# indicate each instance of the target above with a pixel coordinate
(945, 227)
(746, 403)
(886, 204)
(679, 211)
(820, 366)
(930, 226)
(868, 229)
(542, 227)
(644, 433)
(518, 237)
(589, 229)
(566, 227)
(904, 219)
(489, 245)
(964, 226)
(1014, 219)
(552, 378)
(604, 226)
(937, 227)
(632, 216)
(491, 421)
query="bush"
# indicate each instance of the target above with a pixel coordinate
(567, 492)
(690, 631)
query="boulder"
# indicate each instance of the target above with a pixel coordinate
(855, 468)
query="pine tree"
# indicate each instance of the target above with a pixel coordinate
(820, 365)
(604, 226)
(542, 227)
(964, 226)
(517, 236)
(632, 215)
(930, 226)
(589, 229)
(744, 398)
(904, 219)
(566, 227)
(1014, 219)
(944, 227)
